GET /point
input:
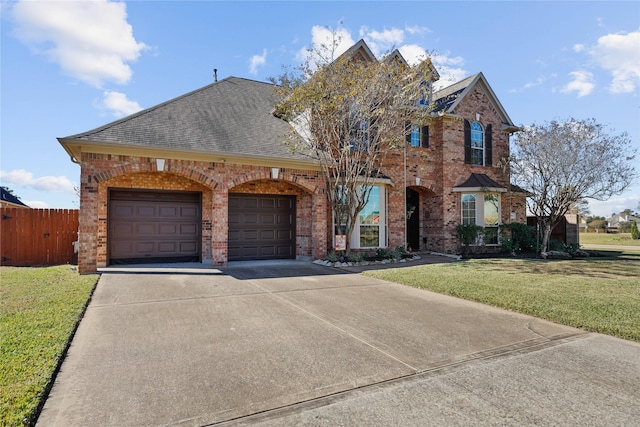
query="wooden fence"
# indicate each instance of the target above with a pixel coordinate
(36, 237)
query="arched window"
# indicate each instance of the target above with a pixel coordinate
(477, 144)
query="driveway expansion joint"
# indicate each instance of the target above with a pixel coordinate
(432, 372)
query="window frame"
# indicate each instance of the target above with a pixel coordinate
(356, 237)
(480, 214)
(477, 144)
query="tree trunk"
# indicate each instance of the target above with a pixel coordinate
(546, 237)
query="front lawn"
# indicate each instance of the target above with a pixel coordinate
(40, 310)
(595, 294)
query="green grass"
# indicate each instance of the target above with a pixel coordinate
(621, 239)
(599, 295)
(39, 310)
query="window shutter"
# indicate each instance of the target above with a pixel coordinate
(425, 137)
(407, 132)
(467, 142)
(488, 149)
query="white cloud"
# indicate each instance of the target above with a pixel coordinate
(449, 68)
(578, 47)
(117, 103)
(417, 29)
(413, 53)
(614, 205)
(256, 61)
(582, 83)
(36, 204)
(619, 54)
(23, 178)
(381, 42)
(326, 44)
(90, 40)
(537, 82)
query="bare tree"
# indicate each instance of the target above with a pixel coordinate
(348, 114)
(563, 162)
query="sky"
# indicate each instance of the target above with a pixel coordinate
(71, 66)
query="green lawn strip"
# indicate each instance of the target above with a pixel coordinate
(39, 311)
(620, 239)
(595, 295)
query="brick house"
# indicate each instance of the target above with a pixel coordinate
(206, 177)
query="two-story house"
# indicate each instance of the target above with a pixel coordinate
(206, 177)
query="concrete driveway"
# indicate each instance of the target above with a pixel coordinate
(299, 344)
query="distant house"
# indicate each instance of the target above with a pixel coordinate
(206, 177)
(616, 222)
(8, 200)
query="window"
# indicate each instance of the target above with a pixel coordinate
(369, 219)
(418, 136)
(491, 218)
(483, 209)
(469, 209)
(370, 228)
(359, 136)
(477, 144)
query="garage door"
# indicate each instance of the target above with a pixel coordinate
(157, 226)
(261, 227)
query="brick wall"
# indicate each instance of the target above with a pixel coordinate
(100, 172)
(439, 168)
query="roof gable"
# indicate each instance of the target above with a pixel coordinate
(446, 100)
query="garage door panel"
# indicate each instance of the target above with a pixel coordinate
(248, 218)
(146, 211)
(188, 247)
(145, 229)
(154, 226)
(268, 219)
(189, 212)
(168, 212)
(189, 229)
(167, 247)
(261, 227)
(169, 229)
(121, 209)
(267, 234)
(268, 203)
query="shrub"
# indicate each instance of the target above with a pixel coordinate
(556, 245)
(333, 256)
(518, 238)
(635, 233)
(468, 235)
(355, 257)
(382, 253)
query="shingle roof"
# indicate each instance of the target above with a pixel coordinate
(446, 97)
(10, 198)
(479, 180)
(233, 115)
(446, 100)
